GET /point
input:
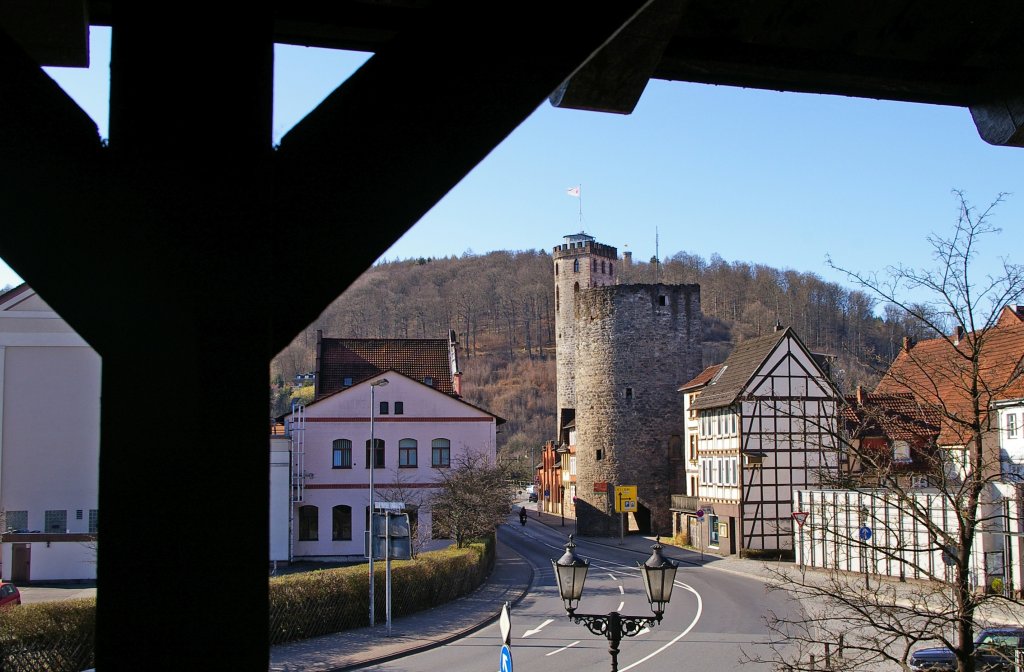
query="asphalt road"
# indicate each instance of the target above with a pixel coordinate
(714, 618)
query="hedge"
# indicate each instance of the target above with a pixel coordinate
(330, 600)
(59, 636)
(49, 636)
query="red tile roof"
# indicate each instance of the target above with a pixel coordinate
(898, 416)
(939, 373)
(362, 358)
(702, 379)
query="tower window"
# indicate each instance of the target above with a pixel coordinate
(602, 265)
(556, 269)
(599, 455)
(575, 265)
(629, 393)
(593, 265)
(661, 300)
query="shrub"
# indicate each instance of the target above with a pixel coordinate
(331, 600)
(49, 636)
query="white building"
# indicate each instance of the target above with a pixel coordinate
(421, 429)
(49, 443)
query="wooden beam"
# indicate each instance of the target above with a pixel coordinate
(1001, 121)
(615, 77)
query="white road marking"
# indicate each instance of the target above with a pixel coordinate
(644, 631)
(538, 628)
(563, 648)
(610, 575)
(622, 591)
(621, 605)
(700, 609)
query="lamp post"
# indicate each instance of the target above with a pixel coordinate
(561, 504)
(372, 465)
(659, 576)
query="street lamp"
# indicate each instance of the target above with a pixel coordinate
(372, 465)
(561, 504)
(659, 576)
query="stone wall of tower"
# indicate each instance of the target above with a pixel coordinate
(634, 346)
(577, 267)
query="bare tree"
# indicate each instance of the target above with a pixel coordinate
(919, 470)
(472, 498)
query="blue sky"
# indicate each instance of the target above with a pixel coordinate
(782, 179)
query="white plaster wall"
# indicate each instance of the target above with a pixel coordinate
(428, 414)
(280, 454)
(60, 561)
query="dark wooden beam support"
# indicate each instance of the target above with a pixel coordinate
(1001, 121)
(389, 143)
(51, 159)
(615, 77)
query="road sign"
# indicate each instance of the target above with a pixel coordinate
(625, 498)
(505, 623)
(800, 517)
(505, 659)
(864, 533)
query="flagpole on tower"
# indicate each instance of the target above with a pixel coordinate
(577, 193)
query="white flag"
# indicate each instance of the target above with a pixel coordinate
(575, 191)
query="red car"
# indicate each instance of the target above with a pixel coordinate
(9, 595)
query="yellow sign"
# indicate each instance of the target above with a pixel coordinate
(625, 498)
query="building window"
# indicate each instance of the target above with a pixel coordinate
(572, 465)
(662, 300)
(599, 454)
(900, 451)
(693, 447)
(399, 408)
(309, 520)
(341, 457)
(56, 521)
(94, 521)
(693, 486)
(440, 453)
(1011, 425)
(629, 393)
(346, 381)
(611, 268)
(341, 523)
(17, 521)
(602, 265)
(407, 453)
(556, 269)
(378, 461)
(78, 514)
(918, 481)
(593, 266)
(383, 408)
(428, 380)
(713, 530)
(575, 265)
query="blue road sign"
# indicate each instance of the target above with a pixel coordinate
(865, 533)
(505, 660)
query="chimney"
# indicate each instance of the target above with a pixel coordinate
(958, 334)
(908, 343)
(860, 395)
(627, 258)
(457, 383)
(778, 326)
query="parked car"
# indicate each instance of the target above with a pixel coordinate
(532, 496)
(9, 595)
(994, 650)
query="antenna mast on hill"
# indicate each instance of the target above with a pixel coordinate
(657, 258)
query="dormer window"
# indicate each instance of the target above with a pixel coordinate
(347, 381)
(428, 380)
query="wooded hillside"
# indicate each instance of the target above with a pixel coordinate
(501, 305)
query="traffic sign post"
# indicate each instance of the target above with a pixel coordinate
(865, 534)
(800, 517)
(505, 623)
(625, 501)
(700, 521)
(505, 659)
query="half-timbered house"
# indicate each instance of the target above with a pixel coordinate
(765, 427)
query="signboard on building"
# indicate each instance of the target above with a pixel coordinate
(600, 486)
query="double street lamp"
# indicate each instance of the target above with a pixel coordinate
(659, 576)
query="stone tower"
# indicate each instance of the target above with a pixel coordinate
(623, 351)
